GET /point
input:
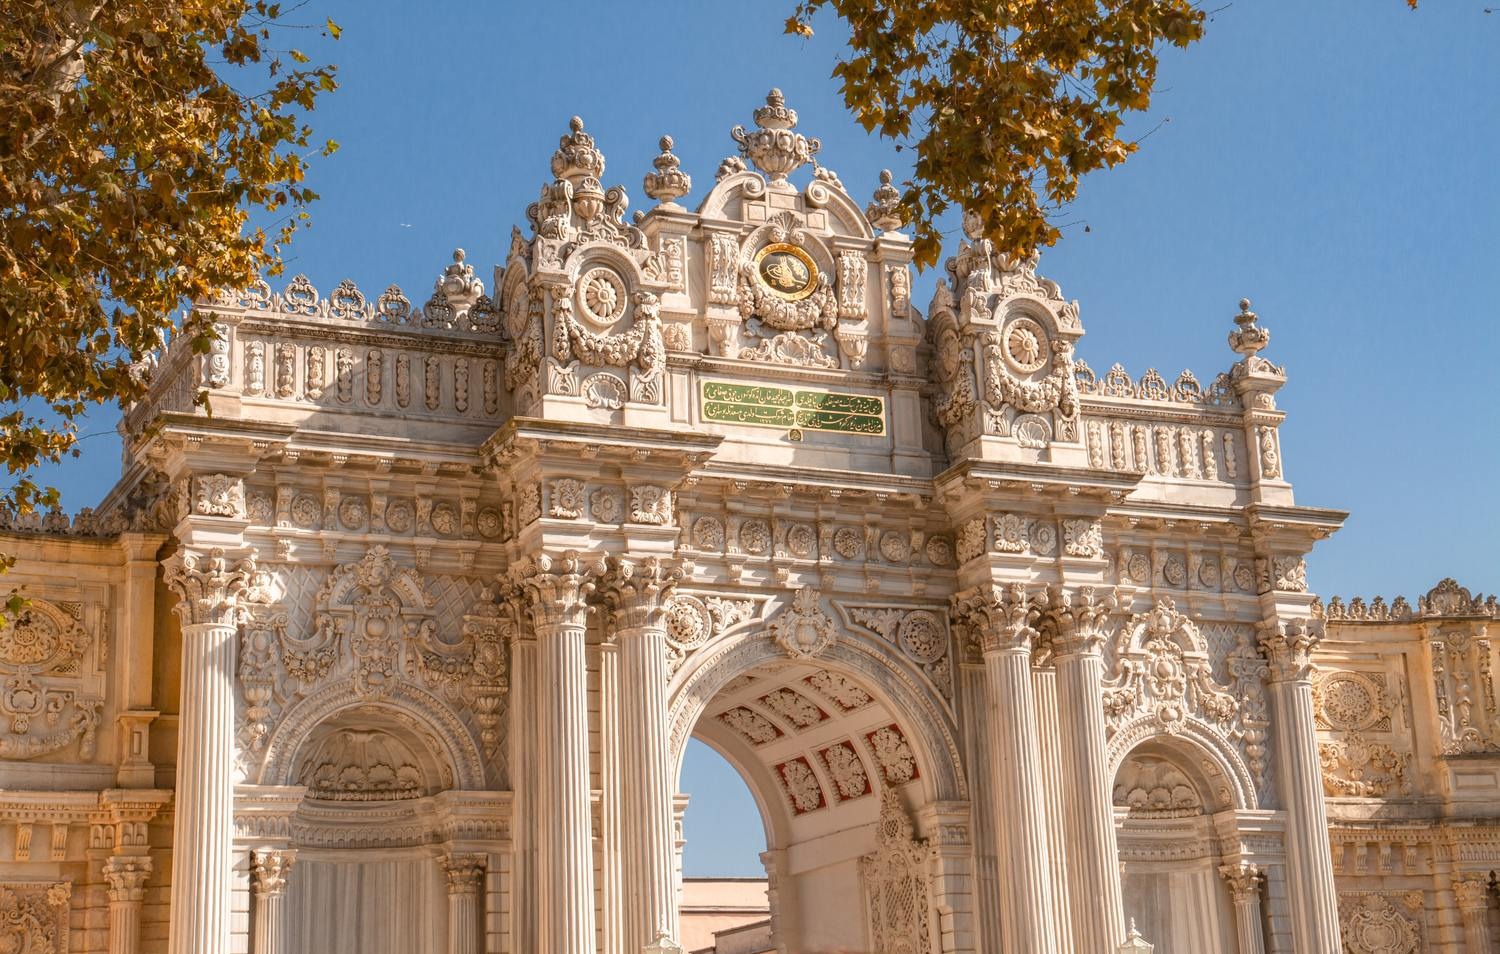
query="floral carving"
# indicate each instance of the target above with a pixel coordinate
(794, 707)
(34, 917)
(756, 728)
(708, 533)
(1371, 924)
(218, 495)
(44, 705)
(802, 788)
(896, 878)
(839, 690)
(847, 770)
(566, 499)
(1360, 768)
(1083, 538)
(650, 504)
(1162, 671)
(894, 755)
(755, 537)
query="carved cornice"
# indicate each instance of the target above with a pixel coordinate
(1288, 647)
(208, 589)
(637, 590)
(553, 589)
(1003, 617)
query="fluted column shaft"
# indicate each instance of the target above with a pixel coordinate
(1473, 897)
(1313, 898)
(1244, 882)
(1093, 856)
(647, 788)
(126, 875)
(465, 878)
(523, 774)
(553, 590)
(637, 591)
(269, 870)
(202, 853)
(1017, 781)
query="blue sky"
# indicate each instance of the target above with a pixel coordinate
(1334, 161)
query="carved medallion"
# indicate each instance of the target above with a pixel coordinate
(1025, 346)
(788, 271)
(601, 297)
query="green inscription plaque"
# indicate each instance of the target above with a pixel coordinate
(760, 405)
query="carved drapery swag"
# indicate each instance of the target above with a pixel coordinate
(896, 878)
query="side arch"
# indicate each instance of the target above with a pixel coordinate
(1194, 739)
(457, 745)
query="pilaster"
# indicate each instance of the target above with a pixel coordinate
(126, 877)
(1245, 881)
(1473, 897)
(269, 870)
(465, 875)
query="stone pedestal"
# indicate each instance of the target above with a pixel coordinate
(126, 875)
(1077, 621)
(1473, 897)
(208, 590)
(1245, 882)
(553, 591)
(637, 591)
(269, 870)
(465, 874)
(1288, 647)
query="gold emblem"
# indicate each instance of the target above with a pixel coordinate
(787, 271)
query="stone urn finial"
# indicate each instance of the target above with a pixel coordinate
(577, 158)
(884, 212)
(668, 183)
(458, 284)
(1248, 338)
(774, 147)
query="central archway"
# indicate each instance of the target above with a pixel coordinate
(823, 743)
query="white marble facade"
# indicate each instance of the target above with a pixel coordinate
(399, 649)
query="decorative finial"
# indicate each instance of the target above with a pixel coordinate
(668, 183)
(1134, 943)
(773, 147)
(1248, 338)
(458, 255)
(576, 157)
(885, 211)
(458, 284)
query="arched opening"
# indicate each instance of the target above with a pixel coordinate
(1165, 799)
(723, 870)
(830, 764)
(369, 875)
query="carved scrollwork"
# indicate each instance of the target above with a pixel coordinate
(46, 703)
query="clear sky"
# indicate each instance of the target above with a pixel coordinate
(1334, 160)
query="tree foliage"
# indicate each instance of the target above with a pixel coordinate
(1006, 104)
(131, 166)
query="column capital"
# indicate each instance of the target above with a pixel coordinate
(553, 588)
(127, 876)
(269, 869)
(636, 590)
(209, 590)
(1003, 616)
(1077, 619)
(1472, 894)
(465, 872)
(1288, 646)
(1244, 880)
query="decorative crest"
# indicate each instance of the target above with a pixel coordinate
(804, 629)
(775, 148)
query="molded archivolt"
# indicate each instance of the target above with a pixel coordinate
(1214, 766)
(408, 704)
(917, 707)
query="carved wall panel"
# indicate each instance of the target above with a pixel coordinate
(51, 692)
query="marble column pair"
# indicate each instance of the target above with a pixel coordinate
(555, 593)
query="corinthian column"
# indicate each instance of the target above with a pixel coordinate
(208, 592)
(637, 592)
(269, 869)
(1473, 898)
(1003, 618)
(554, 590)
(465, 877)
(1244, 882)
(1076, 621)
(1288, 647)
(126, 875)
